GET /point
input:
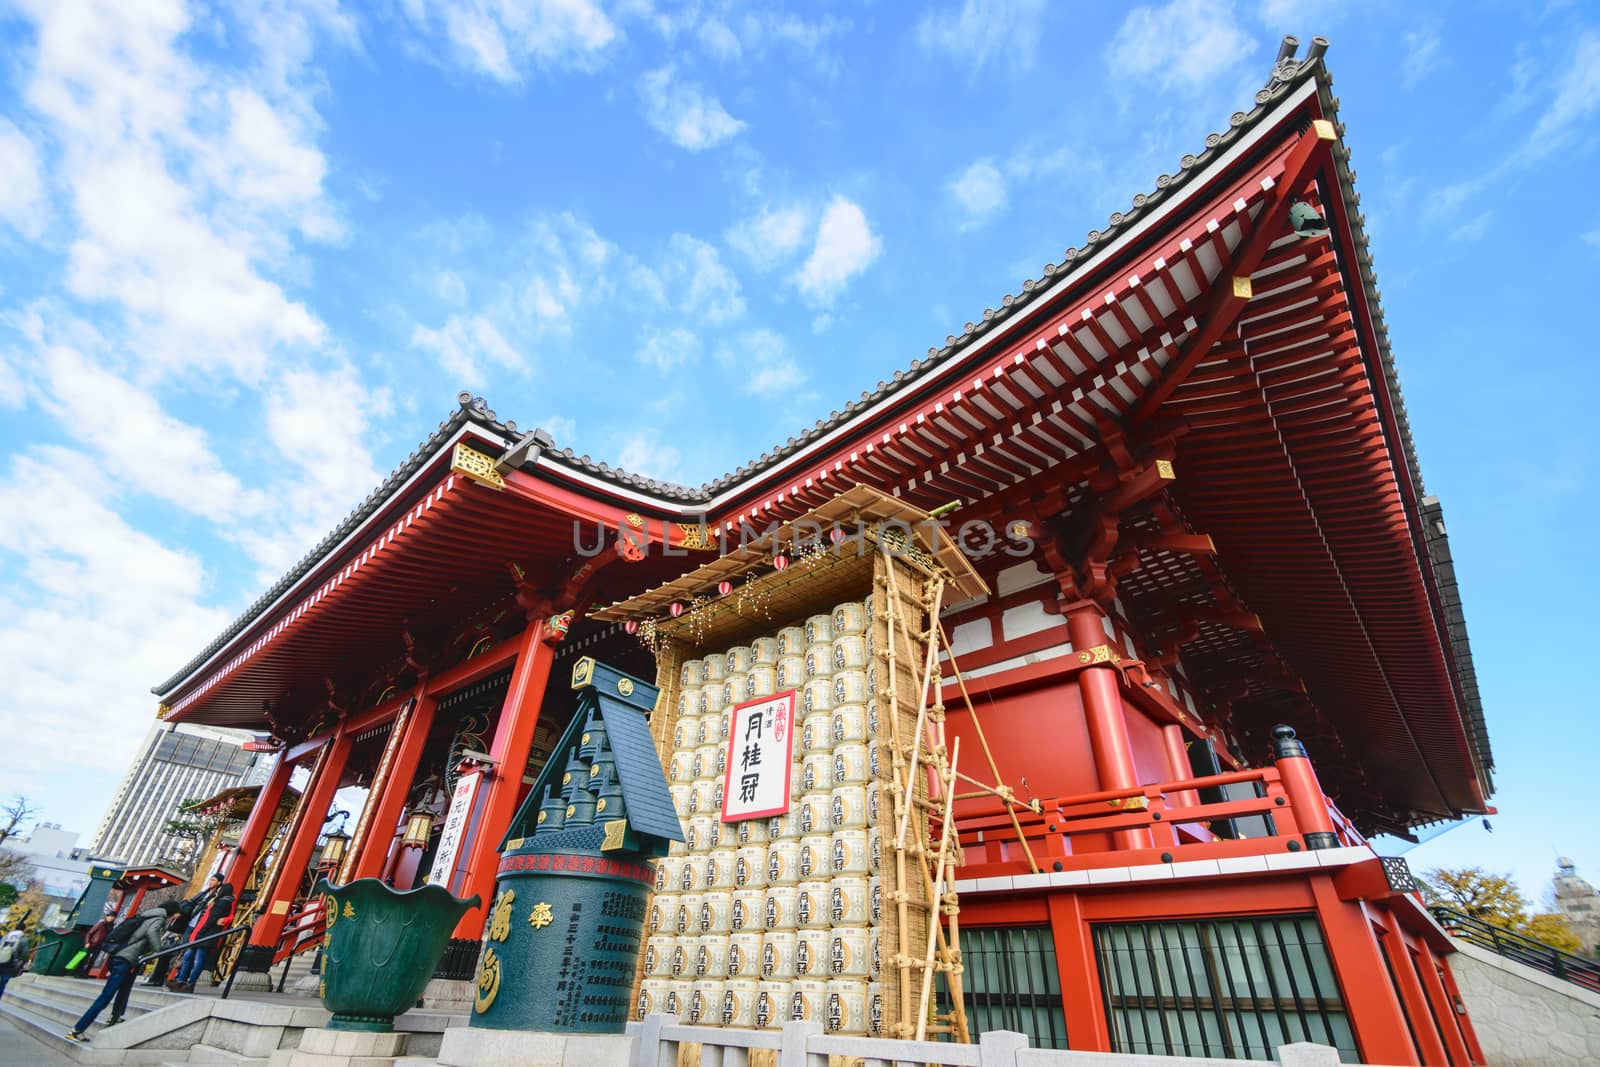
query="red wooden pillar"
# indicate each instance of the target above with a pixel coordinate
(1178, 760)
(1102, 709)
(1299, 779)
(513, 738)
(1457, 1007)
(253, 838)
(314, 805)
(1444, 1007)
(1363, 979)
(389, 801)
(1429, 1046)
(1079, 975)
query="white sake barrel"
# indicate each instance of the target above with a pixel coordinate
(816, 695)
(680, 848)
(872, 679)
(875, 900)
(872, 711)
(676, 999)
(847, 1007)
(733, 689)
(686, 731)
(662, 918)
(819, 660)
(772, 1004)
(819, 629)
(714, 729)
(658, 956)
(687, 923)
(874, 850)
(783, 863)
(669, 874)
(652, 997)
(711, 956)
(850, 766)
(850, 687)
(688, 708)
(816, 773)
(719, 869)
(850, 852)
(812, 811)
(716, 793)
(705, 761)
(762, 681)
(764, 650)
(849, 618)
(848, 726)
(814, 856)
(811, 904)
(705, 1003)
(744, 954)
(681, 964)
(816, 733)
(872, 645)
(811, 947)
(780, 907)
(808, 1001)
(875, 803)
(849, 653)
(847, 809)
(692, 673)
(703, 797)
(783, 828)
(745, 910)
(739, 1003)
(791, 672)
(749, 832)
(874, 1009)
(848, 952)
(698, 833)
(777, 954)
(878, 765)
(713, 699)
(680, 767)
(717, 834)
(848, 900)
(713, 668)
(739, 658)
(750, 867)
(682, 797)
(791, 641)
(874, 953)
(716, 912)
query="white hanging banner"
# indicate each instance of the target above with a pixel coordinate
(760, 744)
(455, 827)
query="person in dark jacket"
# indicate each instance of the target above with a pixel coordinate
(212, 919)
(124, 962)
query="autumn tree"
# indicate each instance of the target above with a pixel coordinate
(1553, 930)
(1491, 898)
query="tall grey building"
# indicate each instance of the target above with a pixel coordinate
(175, 764)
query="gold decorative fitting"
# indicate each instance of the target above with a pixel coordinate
(543, 815)
(1100, 654)
(695, 535)
(1130, 803)
(572, 809)
(625, 686)
(600, 805)
(516, 842)
(500, 916)
(488, 981)
(1242, 288)
(349, 910)
(541, 916)
(594, 770)
(634, 519)
(582, 672)
(477, 466)
(1325, 130)
(162, 711)
(566, 778)
(1165, 469)
(614, 831)
(584, 740)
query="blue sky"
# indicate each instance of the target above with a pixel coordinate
(249, 255)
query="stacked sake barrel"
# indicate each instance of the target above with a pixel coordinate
(764, 921)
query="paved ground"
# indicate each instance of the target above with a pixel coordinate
(17, 1049)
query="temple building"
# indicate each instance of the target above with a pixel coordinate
(1203, 601)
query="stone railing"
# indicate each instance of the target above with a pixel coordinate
(660, 1041)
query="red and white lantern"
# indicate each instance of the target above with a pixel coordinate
(724, 587)
(779, 562)
(676, 609)
(631, 626)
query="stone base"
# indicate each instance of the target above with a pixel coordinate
(467, 1047)
(448, 995)
(342, 1048)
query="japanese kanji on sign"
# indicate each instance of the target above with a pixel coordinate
(760, 743)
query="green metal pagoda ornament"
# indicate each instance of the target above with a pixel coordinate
(575, 877)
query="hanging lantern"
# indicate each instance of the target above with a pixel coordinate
(724, 587)
(779, 562)
(631, 626)
(836, 535)
(419, 828)
(333, 849)
(675, 610)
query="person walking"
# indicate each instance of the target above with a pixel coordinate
(126, 944)
(213, 919)
(13, 957)
(95, 939)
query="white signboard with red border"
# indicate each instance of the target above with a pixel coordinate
(760, 760)
(455, 827)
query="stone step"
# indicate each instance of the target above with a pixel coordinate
(74, 1003)
(211, 1054)
(141, 998)
(52, 1034)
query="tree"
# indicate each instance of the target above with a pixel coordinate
(192, 828)
(14, 867)
(1492, 898)
(1553, 930)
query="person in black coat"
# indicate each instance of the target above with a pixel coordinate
(212, 919)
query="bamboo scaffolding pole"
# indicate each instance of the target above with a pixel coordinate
(938, 885)
(901, 797)
(932, 603)
(983, 742)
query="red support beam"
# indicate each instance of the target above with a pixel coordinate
(1078, 972)
(1412, 996)
(278, 898)
(1369, 999)
(254, 835)
(387, 800)
(1108, 726)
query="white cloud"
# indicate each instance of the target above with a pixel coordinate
(1592, 238)
(709, 290)
(1473, 229)
(977, 192)
(684, 113)
(644, 453)
(845, 246)
(561, 427)
(463, 344)
(22, 197)
(771, 237)
(1299, 16)
(669, 348)
(1577, 97)
(761, 359)
(1182, 45)
(983, 30)
(1422, 55)
(719, 41)
(499, 38)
